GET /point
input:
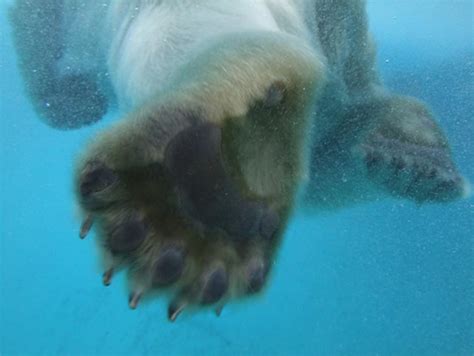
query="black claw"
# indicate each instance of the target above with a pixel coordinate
(96, 179)
(269, 224)
(432, 173)
(257, 271)
(398, 163)
(107, 277)
(175, 309)
(218, 310)
(86, 227)
(169, 266)
(373, 159)
(275, 94)
(215, 286)
(447, 190)
(134, 299)
(127, 236)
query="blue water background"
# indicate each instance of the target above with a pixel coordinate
(387, 278)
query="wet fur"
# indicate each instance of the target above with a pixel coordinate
(227, 85)
(286, 81)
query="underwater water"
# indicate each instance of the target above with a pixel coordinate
(386, 278)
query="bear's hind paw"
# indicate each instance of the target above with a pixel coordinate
(407, 170)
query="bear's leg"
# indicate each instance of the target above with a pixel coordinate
(384, 145)
(167, 208)
(62, 101)
(407, 155)
(372, 142)
(192, 192)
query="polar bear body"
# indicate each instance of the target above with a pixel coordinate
(130, 51)
(229, 107)
(142, 44)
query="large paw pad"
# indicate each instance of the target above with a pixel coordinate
(183, 226)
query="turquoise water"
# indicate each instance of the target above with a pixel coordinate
(386, 278)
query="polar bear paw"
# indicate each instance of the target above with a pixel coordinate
(407, 170)
(179, 225)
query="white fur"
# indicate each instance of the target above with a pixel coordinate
(144, 42)
(140, 47)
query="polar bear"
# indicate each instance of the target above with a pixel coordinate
(229, 107)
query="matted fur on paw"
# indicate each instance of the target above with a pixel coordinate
(180, 227)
